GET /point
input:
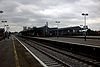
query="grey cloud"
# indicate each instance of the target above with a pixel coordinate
(95, 26)
(67, 11)
(8, 6)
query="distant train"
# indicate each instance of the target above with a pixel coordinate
(2, 34)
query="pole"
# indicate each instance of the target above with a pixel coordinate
(85, 26)
(4, 28)
(57, 28)
(4, 24)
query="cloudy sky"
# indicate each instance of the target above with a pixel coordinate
(30, 13)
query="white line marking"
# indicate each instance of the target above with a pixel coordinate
(43, 64)
(16, 56)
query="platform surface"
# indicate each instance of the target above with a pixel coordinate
(13, 54)
(6, 53)
(91, 42)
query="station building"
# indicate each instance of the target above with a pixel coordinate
(45, 31)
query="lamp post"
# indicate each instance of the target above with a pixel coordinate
(1, 12)
(4, 28)
(7, 27)
(81, 29)
(57, 28)
(7, 31)
(85, 14)
(4, 24)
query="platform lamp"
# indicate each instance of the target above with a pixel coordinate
(1, 12)
(7, 28)
(57, 28)
(85, 14)
(4, 24)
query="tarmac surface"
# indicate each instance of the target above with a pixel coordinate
(90, 42)
(13, 54)
(7, 54)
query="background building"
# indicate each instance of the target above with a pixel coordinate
(1, 33)
(45, 31)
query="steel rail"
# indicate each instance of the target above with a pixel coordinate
(45, 52)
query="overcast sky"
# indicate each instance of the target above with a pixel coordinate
(30, 13)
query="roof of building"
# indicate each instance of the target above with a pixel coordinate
(75, 27)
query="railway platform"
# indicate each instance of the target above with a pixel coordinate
(90, 42)
(7, 53)
(13, 54)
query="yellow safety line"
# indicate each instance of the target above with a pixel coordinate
(16, 56)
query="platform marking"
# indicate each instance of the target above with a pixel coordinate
(41, 62)
(16, 56)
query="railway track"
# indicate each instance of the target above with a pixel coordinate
(53, 57)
